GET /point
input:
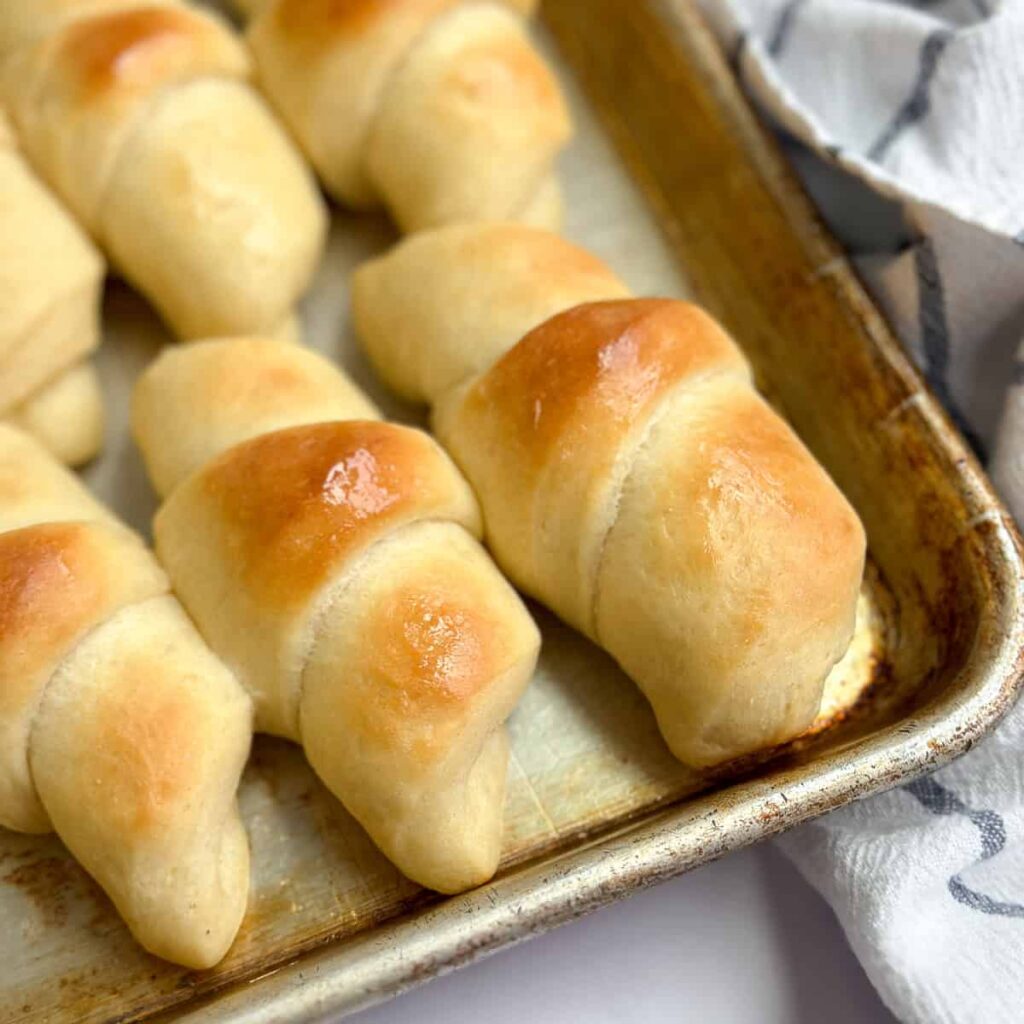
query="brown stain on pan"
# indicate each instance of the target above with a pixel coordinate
(55, 884)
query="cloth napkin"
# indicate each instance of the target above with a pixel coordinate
(916, 109)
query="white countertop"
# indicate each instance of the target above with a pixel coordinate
(741, 941)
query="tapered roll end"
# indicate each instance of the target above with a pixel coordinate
(434, 649)
(136, 751)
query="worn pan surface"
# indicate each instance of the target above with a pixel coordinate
(697, 201)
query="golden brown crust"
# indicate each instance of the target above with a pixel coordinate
(198, 400)
(323, 24)
(430, 635)
(633, 479)
(602, 365)
(299, 501)
(136, 750)
(429, 652)
(57, 582)
(119, 729)
(432, 648)
(135, 50)
(50, 591)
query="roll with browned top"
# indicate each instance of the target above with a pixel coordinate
(332, 560)
(139, 116)
(630, 476)
(439, 110)
(119, 729)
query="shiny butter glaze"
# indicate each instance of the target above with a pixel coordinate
(299, 501)
(598, 368)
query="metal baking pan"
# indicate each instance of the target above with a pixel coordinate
(697, 201)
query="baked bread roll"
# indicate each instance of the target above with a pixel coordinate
(332, 560)
(440, 110)
(50, 282)
(139, 116)
(630, 476)
(119, 730)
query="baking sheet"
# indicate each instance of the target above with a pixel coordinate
(586, 754)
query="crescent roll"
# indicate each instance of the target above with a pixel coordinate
(630, 476)
(139, 116)
(440, 110)
(332, 560)
(119, 729)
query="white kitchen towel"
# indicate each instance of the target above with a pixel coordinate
(923, 102)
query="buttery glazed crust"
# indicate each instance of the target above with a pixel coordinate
(138, 116)
(440, 109)
(257, 540)
(59, 581)
(334, 564)
(567, 408)
(433, 655)
(629, 476)
(119, 729)
(298, 501)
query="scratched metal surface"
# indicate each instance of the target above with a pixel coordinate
(587, 759)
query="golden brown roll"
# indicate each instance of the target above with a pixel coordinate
(119, 729)
(440, 110)
(629, 474)
(139, 116)
(50, 282)
(332, 560)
